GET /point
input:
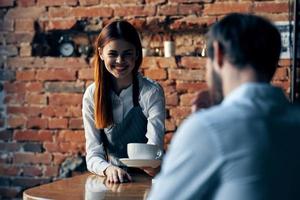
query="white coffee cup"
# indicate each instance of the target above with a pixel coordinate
(143, 151)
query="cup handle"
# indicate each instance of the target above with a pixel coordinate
(159, 154)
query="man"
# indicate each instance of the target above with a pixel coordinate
(247, 147)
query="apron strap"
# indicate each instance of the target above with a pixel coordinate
(135, 91)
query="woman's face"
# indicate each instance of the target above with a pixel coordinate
(119, 57)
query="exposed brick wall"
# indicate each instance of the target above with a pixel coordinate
(40, 97)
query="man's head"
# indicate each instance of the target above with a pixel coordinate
(245, 42)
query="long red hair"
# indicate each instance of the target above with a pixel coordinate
(115, 30)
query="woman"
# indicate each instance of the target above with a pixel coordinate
(121, 106)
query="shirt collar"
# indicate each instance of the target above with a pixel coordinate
(256, 91)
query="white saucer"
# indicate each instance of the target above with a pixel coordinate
(140, 162)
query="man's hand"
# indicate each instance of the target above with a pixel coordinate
(151, 171)
(201, 100)
(116, 175)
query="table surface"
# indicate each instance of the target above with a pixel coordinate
(91, 187)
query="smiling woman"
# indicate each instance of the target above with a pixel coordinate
(121, 106)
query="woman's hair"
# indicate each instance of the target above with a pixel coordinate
(113, 31)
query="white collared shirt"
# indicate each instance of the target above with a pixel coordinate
(152, 102)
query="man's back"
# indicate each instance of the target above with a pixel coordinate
(245, 148)
(258, 133)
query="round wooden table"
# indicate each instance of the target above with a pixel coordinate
(91, 187)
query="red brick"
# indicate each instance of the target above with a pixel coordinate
(65, 99)
(51, 171)
(9, 170)
(88, 2)
(190, 9)
(58, 158)
(189, 1)
(138, 23)
(168, 86)
(281, 74)
(72, 147)
(34, 86)
(24, 25)
(17, 38)
(52, 147)
(193, 62)
(275, 16)
(37, 122)
(25, 49)
(135, 11)
(28, 62)
(9, 50)
(32, 135)
(180, 112)
(271, 7)
(56, 74)
(71, 136)
(225, 8)
(26, 3)
(55, 123)
(24, 110)
(74, 111)
(36, 99)
(159, 62)
(32, 171)
(25, 75)
(22, 12)
(86, 74)
(14, 98)
(60, 24)
(155, 2)
(6, 3)
(6, 25)
(95, 11)
(284, 62)
(190, 75)
(9, 146)
(192, 22)
(16, 121)
(72, 87)
(32, 158)
(191, 87)
(186, 99)
(120, 2)
(168, 10)
(72, 63)
(156, 74)
(172, 99)
(59, 12)
(75, 123)
(170, 125)
(56, 2)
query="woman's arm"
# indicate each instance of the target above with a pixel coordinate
(155, 105)
(95, 153)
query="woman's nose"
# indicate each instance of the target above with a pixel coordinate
(119, 59)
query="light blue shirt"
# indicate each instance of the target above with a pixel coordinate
(245, 148)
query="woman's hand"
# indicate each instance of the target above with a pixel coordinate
(116, 175)
(151, 171)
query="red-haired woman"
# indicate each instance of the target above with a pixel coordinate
(121, 106)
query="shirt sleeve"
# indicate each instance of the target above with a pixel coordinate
(95, 153)
(190, 166)
(156, 116)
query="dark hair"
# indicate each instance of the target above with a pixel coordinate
(247, 40)
(115, 30)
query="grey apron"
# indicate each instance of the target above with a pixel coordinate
(132, 129)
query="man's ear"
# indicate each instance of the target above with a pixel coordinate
(218, 54)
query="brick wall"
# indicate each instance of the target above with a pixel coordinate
(40, 97)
